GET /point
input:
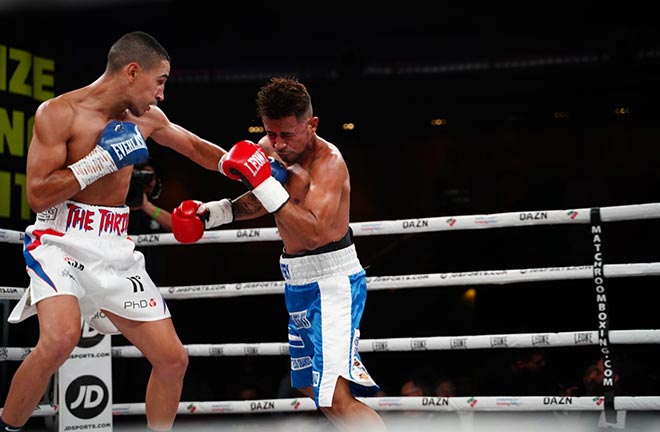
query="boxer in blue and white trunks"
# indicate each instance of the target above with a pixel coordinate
(325, 293)
(81, 264)
(305, 185)
(82, 250)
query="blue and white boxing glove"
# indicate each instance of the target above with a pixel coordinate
(120, 144)
(278, 170)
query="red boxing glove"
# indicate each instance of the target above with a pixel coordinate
(187, 227)
(248, 162)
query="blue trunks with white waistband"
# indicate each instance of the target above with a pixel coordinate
(344, 242)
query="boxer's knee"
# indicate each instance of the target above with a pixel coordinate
(55, 347)
(172, 362)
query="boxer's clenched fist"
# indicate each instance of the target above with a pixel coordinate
(187, 227)
(120, 144)
(191, 217)
(249, 163)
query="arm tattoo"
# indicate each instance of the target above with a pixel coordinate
(246, 205)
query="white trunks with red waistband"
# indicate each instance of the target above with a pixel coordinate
(83, 250)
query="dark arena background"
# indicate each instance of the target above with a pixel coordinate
(455, 111)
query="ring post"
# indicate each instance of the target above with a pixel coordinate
(610, 414)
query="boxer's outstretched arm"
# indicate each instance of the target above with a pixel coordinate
(199, 150)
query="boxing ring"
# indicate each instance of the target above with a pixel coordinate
(528, 412)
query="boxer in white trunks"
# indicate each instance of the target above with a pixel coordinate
(83, 251)
(80, 261)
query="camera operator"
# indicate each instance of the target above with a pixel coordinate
(146, 217)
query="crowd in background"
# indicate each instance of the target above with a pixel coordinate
(513, 372)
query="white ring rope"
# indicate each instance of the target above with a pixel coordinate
(431, 343)
(399, 403)
(417, 225)
(479, 277)
(440, 223)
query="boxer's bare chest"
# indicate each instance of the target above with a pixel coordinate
(298, 184)
(85, 132)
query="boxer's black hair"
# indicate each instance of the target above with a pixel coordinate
(282, 97)
(136, 46)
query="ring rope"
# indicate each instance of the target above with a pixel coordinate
(398, 403)
(479, 277)
(498, 341)
(432, 224)
(407, 226)
(431, 343)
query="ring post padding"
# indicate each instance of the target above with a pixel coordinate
(603, 315)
